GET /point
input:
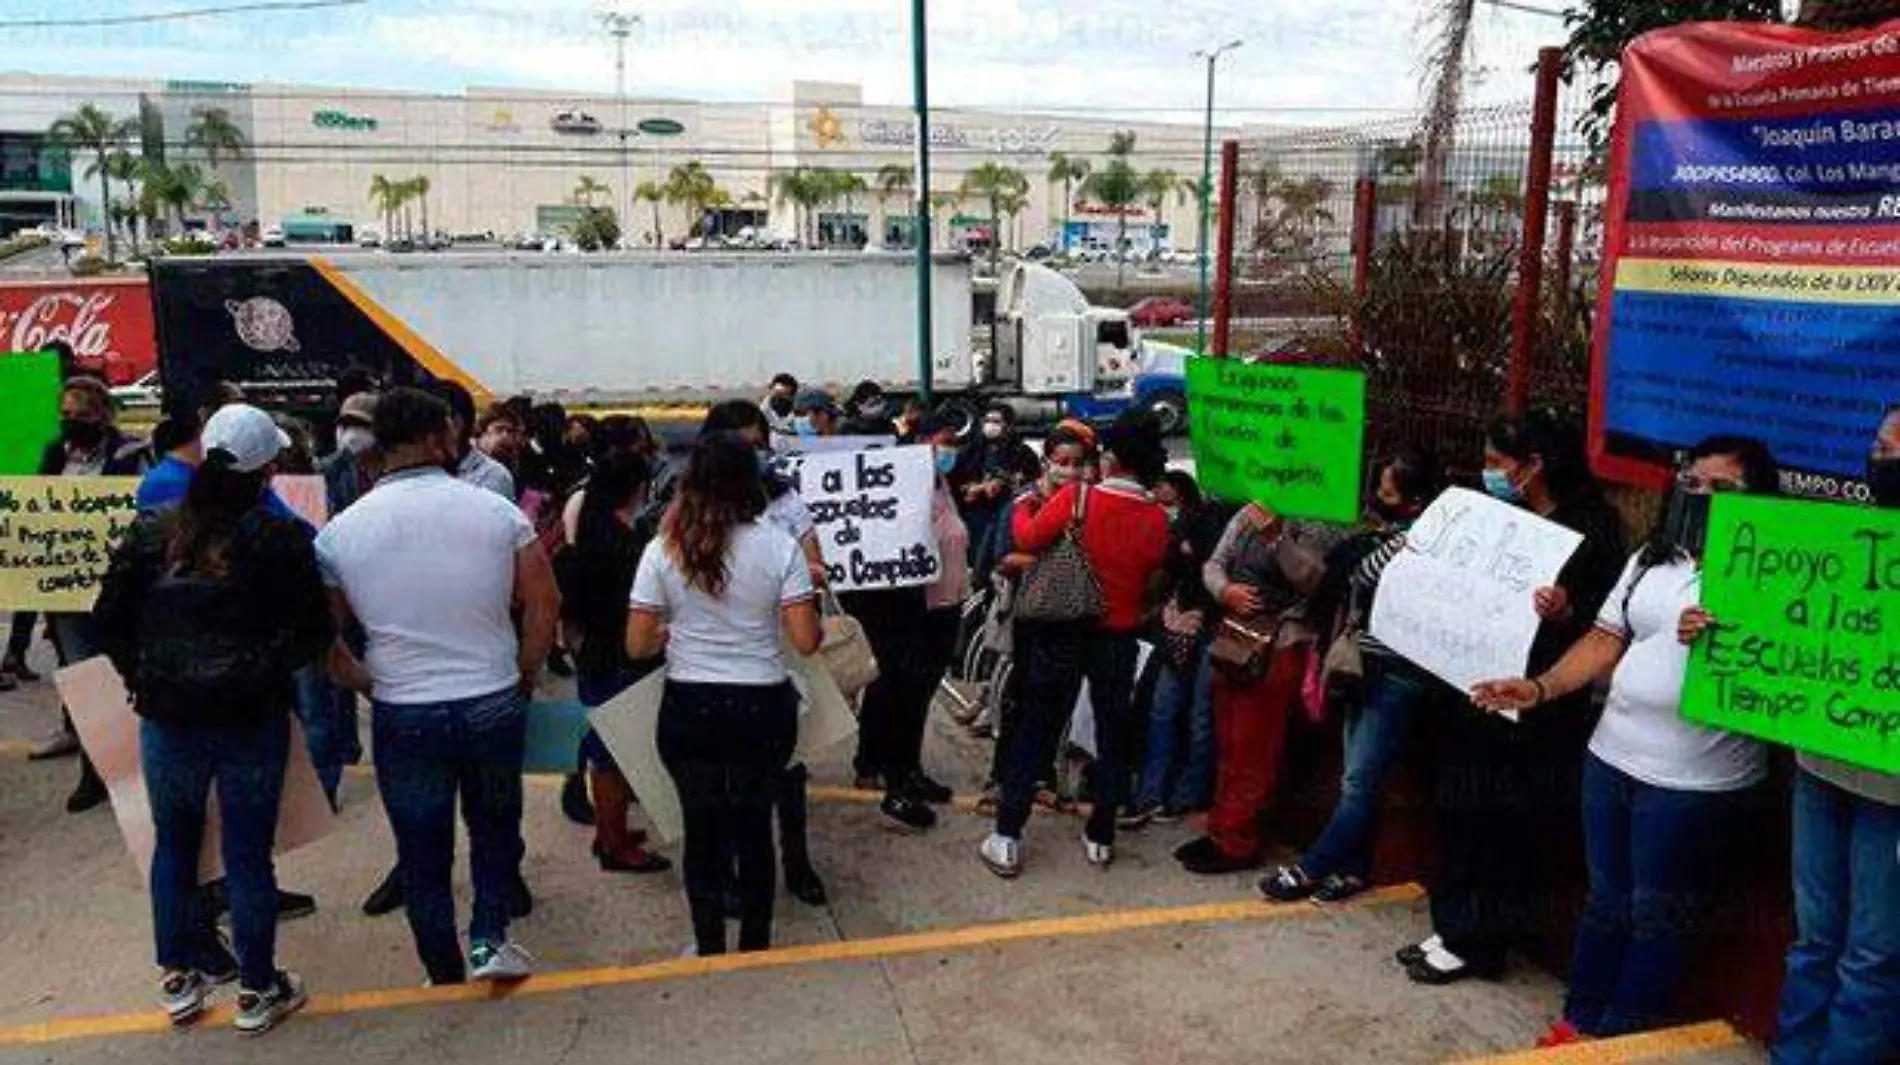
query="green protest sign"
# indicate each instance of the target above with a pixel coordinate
(1289, 437)
(1804, 652)
(29, 410)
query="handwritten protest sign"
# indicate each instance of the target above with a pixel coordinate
(1290, 437)
(872, 514)
(1457, 600)
(790, 444)
(29, 410)
(57, 536)
(102, 714)
(1804, 652)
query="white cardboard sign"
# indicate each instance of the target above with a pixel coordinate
(871, 513)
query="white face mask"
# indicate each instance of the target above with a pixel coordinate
(992, 430)
(355, 439)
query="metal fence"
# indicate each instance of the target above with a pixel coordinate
(1408, 246)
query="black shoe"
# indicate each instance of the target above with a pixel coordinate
(574, 802)
(20, 670)
(1339, 887)
(1289, 883)
(90, 792)
(1136, 818)
(520, 899)
(291, 905)
(802, 882)
(1196, 849)
(1424, 972)
(1168, 815)
(640, 860)
(1412, 955)
(907, 813)
(921, 786)
(1219, 863)
(388, 896)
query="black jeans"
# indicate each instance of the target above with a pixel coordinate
(1054, 664)
(21, 636)
(897, 705)
(1503, 789)
(726, 747)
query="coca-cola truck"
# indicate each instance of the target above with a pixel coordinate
(107, 322)
(620, 328)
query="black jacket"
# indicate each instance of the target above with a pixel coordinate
(126, 456)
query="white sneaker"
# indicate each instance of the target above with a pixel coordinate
(259, 1011)
(1098, 854)
(505, 962)
(1003, 856)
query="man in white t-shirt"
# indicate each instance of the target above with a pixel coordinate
(431, 567)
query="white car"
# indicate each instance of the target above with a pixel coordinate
(274, 237)
(143, 394)
(368, 238)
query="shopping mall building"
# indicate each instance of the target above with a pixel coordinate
(508, 161)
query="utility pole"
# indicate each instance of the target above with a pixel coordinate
(619, 25)
(1207, 192)
(920, 87)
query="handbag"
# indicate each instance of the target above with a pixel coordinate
(1180, 635)
(846, 650)
(1061, 586)
(1242, 649)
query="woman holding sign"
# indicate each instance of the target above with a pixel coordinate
(1661, 794)
(1841, 999)
(1506, 788)
(719, 592)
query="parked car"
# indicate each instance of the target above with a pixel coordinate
(368, 238)
(1160, 311)
(575, 122)
(274, 237)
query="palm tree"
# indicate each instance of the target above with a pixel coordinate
(1302, 208)
(1013, 204)
(805, 189)
(1158, 185)
(215, 198)
(894, 181)
(122, 166)
(1117, 186)
(385, 195)
(175, 188)
(1445, 68)
(654, 193)
(691, 186)
(418, 187)
(994, 183)
(587, 189)
(1066, 170)
(847, 186)
(96, 130)
(214, 134)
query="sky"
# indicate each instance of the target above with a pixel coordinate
(1301, 61)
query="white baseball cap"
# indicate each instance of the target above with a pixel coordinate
(246, 434)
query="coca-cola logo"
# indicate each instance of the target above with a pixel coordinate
(79, 319)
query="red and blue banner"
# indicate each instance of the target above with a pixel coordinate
(1751, 251)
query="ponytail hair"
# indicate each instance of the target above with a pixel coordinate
(218, 499)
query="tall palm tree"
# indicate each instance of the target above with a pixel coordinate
(213, 133)
(894, 181)
(1157, 185)
(215, 198)
(1066, 170)
(1117, 186)
(122, 166)
(1302, 209)
(847, 186)
(384, 195)
(805, 189)
(418, 189)
(654, 193)
(1445, 70)
(587, 189)
(994, 183)
(1012, 205)
(176, 188)
(96, 130)
(691, 186)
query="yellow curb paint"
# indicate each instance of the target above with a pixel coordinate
(1663, 1045)
(984, 935)
(15, 748)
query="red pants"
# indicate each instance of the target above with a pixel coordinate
(1250, 737)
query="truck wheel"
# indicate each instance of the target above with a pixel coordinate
(1170, 412)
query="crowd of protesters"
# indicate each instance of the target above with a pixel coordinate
(467, 550)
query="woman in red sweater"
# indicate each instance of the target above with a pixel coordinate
(1124, 534)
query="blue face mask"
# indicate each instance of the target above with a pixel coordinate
(1499, 485)
(803, 427)
(765, 460)
(946, 460)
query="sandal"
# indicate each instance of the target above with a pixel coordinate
(1289, 883)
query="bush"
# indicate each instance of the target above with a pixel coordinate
(597, 229)
(20, 243)
(189, 244)
(90, 266)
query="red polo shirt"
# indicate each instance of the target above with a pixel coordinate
(1124, 534)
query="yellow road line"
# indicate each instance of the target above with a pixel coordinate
(966, 938)
(15, 748)
(1667, 1044)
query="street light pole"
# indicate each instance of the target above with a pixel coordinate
(619, 25)
(920, 88)
(1207, 191)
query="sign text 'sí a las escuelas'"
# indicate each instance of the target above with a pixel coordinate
(57, 536)
(1806, 651)
(1288, 437)
(1752, 240)
(871, 513)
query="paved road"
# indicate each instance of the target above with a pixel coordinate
(45, 262)
(921, 956)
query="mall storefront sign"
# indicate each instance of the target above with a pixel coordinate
(332, 118)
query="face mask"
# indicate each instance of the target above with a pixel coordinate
(1499, 485)
(1686, 520)
(1883, 479)
(992, 430)
(81, 433)
(946, 460)
(802, 425)
(871, 410)
(765, 460)
(1061, 475)
(781, 405)
(355, 439)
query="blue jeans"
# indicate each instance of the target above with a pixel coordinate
(1055, 661)
(597, 688)
(182, 763)
(1654, 856)
(328, 713)
(1840, 1003)
(1375, 731)
(427, 753)
(1183, 702)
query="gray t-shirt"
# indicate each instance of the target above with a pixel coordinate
(1869, 784)
(734, 638)
(1643, 732)
(483, 472)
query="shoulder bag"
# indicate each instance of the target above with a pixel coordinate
(1061, 586)
(846, 650)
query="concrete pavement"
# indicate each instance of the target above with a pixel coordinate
(922, 956)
